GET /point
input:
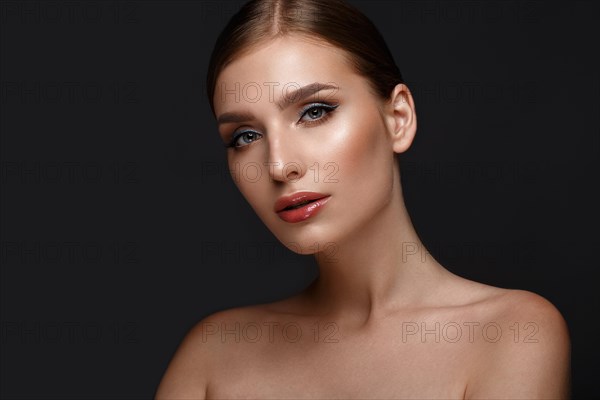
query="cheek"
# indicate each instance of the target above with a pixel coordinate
(362, 152)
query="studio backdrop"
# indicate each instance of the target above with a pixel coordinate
(121, 226)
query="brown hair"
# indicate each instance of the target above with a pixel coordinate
(333, 21)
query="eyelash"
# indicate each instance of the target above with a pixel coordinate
(329, 108)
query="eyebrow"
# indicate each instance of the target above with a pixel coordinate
(286, 100)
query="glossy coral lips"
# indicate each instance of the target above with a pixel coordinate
(300, 206)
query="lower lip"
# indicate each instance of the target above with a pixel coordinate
(303, 213)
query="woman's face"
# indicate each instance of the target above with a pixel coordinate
(331, 139)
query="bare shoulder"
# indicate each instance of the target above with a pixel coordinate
(529, 354)
(496, 302)
(524, 303)
(188, 374)
(525, 310)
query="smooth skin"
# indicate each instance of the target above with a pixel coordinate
(384, 319)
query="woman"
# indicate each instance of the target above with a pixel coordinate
(314, 113)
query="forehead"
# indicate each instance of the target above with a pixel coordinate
(288, 60)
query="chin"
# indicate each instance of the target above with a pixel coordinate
(309, 240)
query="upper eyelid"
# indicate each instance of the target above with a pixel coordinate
(327, 106)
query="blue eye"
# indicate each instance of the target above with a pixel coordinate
(245, 137)
(316, 111)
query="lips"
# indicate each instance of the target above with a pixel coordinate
(300, 206)
(296, 200)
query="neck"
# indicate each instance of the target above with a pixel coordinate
(381, 267)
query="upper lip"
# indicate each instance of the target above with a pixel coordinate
(296, 198)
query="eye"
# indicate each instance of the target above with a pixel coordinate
(316, 112)
(243, 138)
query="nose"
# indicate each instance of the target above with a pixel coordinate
(283, 161)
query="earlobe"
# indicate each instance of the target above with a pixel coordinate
(402, 117)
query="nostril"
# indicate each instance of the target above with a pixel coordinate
(291, 170)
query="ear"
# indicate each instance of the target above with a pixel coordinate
(401, 118)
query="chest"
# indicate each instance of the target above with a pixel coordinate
(381, 366)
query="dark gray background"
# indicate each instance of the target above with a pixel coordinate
(121, 228)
